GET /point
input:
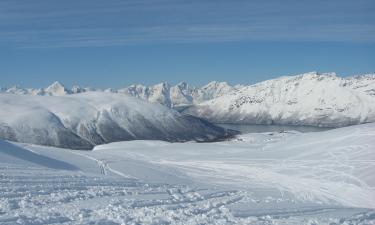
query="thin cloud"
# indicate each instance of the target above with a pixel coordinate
(42, 24)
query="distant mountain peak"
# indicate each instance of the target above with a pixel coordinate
(56, 88)
(56, 84)
(183, 84)
(317, 99)
(317, 74)
(182, 94)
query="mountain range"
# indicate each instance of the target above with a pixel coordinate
(308, 99)
(181, 94)
(317, 99)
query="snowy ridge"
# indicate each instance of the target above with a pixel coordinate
(82, 121)
(306, 99)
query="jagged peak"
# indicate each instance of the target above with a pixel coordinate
(182, 83)
(368, 76)
(14, 87)
(77, 89)
(56, 84)
(215, 84)
(56, 88)
(308, 75)
(317, 74)
(163, 84)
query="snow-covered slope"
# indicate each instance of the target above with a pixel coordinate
(83, 120)
(307, 99)
(363, 83)
(284, 178)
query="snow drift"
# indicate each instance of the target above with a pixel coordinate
(84, 120)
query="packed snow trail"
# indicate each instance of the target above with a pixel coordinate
(270, 178)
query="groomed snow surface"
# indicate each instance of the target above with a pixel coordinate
(268, 178)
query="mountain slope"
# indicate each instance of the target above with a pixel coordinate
(82, 121)
(306, 99)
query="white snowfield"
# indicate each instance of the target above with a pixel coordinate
(267, 178)
(307, 99)
(82, 121)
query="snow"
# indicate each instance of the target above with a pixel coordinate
(307, 99)
(56, 89)
(179, 95)
(262, 178)
(81, 121)
(183, 94)
(171, 96)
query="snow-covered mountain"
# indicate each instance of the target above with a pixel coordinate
(181, 94)
(82, 121)
(55, 89)
(306, 99)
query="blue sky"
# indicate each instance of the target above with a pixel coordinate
(116, 43)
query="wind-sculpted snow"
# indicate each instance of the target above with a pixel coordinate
(257, 179)
(307, 99)
(82, 121)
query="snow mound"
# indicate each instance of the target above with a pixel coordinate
(306, 99)
(82, 121)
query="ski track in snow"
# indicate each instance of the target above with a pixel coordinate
(322, 181)
(103, 165)
(57, 198)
